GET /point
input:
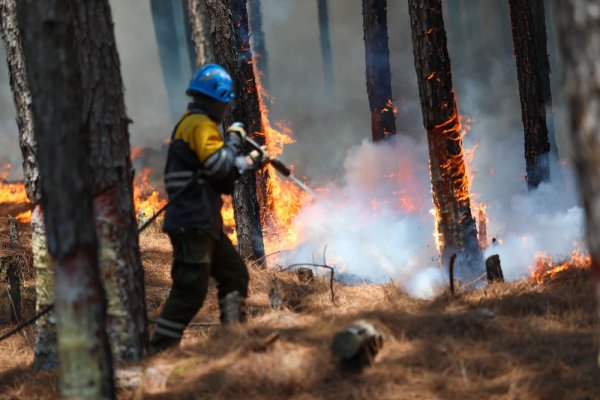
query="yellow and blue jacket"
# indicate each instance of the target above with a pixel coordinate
(198, 151)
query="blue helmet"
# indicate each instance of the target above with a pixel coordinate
(213, 81)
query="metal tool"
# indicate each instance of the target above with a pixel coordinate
(281, 167)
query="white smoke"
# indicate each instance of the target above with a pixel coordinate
(377, 224)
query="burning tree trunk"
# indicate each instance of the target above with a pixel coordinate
(107, 124)
(66, 185)
(231, 39)
(379, 77)
(200, 25)
(578, 25)
(259, 45)
(529, 37)
(170, 29)
(323, 8)
(455, 224)
(45, 344)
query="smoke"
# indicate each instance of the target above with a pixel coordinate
(375, 224)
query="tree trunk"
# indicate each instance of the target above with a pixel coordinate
(455, 225)
(259, 46)
(533, 73)
(107, 123)
(66, 187)
(323, 8)
(170, 31)
(231, 39)
(200, 25)
(379, 77)
(45, 344)
(578, 33)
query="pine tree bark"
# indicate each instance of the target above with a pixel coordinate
(379, 76)
(231, 40)
(529, 38)
(578, 33)
(200, 26)
(259, 45)
(107, 124)
(45, 344)
(455, 224)
(323, 10)
(66, 188)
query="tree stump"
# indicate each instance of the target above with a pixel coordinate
(494, 269)
(356, 346)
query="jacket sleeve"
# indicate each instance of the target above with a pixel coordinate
(221, 159)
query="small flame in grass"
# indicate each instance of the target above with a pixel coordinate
(136, 152)
(146, 199)
(545, 268)
(25, 216)
(11, 193)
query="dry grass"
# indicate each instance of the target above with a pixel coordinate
(539, 343)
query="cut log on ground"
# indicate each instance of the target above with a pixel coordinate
(356, 346)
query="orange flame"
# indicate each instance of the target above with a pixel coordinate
(146, 199)
(545, 268)
(11, 193)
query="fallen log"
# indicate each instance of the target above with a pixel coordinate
(356, 346)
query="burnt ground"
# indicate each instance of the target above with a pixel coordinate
(522, 340)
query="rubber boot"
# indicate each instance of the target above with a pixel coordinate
(232, 309)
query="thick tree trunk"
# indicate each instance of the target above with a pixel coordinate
(45, 344)
(200, 26)
(107, 123)
(170, 29)
(230, 35)
(455, 224)
(323, 9)
(259, 45)
(84, 351)
(379, 76)
(578, 28)
(534, 85)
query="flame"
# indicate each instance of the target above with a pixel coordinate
(146, 199)
(136, 152)
(11, 193)
(228, 219)
(25, 216)
(284, 199)
(545, 269)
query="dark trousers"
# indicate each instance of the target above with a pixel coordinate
(197, 256)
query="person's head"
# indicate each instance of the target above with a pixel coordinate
(211, 88)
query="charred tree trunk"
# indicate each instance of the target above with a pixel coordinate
(170, 30)
(200, 26)
(66, 185)
(455, 224)
(231, 39)
(379, 76)
(534, 85)
(578, 28)
(107, 124)
(259, 46)
(323, 8)
(45, 343)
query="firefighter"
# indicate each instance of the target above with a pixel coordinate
(193, 221)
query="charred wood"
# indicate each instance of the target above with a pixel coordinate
(378, 73)
(450, 187)
(323, 10)
(494, 269)
(231, 38)
(533, 71)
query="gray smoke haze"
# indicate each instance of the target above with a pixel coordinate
(330, 127)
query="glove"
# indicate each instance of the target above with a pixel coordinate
(238, 128)
(259, 158)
